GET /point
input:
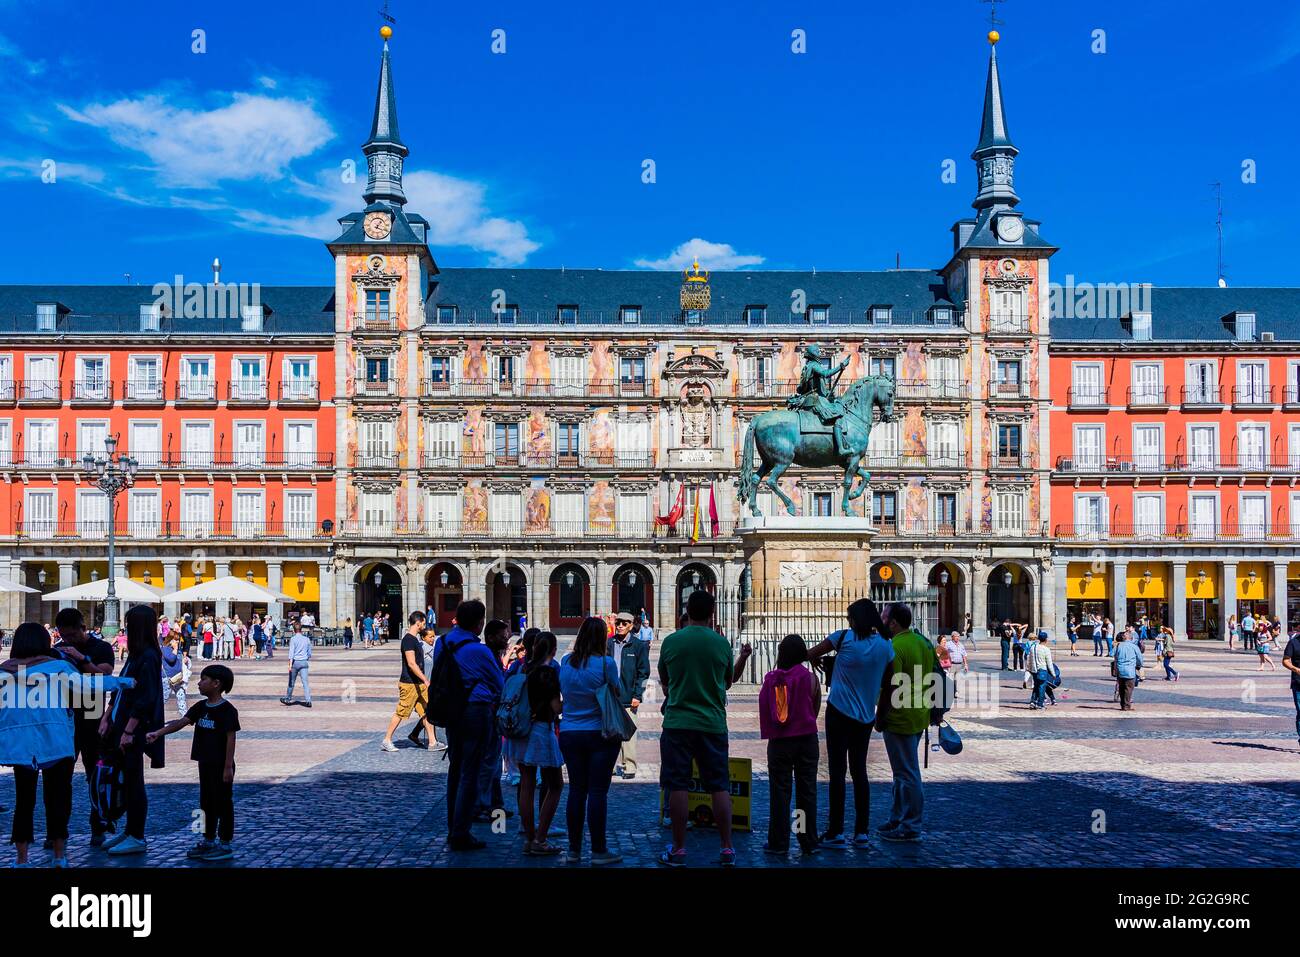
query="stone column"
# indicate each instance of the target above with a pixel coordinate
(275, 582)
(1060, 584)
(978, 602)
(539, 607)
(1227, 596)
(1278, 597)
(917, 575)
(67, 578)
(600, 601)
(346, 591)
(1119, 595)
(474, 587)
(223, 607)
(665, 599)
(171, 583)
(1178, 600)
(1048, 617)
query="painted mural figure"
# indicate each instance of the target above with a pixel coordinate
(816, 390)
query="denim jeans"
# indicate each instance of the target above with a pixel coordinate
(909, 792)
(467, 744)
(1296, 696)
(1096, 646)
(1040, 691)
(489, 776)
(1006, 654)
(1110, 647)
(590, 758)
(296, 669)
(1169, 668)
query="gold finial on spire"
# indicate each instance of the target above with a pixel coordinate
(994, 36)
(386, 32)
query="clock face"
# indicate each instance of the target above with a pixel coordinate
(1010, 229)
(378, 225)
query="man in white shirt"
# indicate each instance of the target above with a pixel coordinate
(1042, 668)
(957, 655)
(1248, 627)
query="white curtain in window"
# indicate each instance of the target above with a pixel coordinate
(146, 513)
(568, 513)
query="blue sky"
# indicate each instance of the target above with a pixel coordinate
(829, 159)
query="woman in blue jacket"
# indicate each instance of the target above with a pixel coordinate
(37, 688)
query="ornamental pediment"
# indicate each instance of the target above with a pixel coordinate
(694, 365)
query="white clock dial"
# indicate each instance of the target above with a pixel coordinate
(377, 225)
(1010, 229)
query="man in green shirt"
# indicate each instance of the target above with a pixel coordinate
(696, 670)
(911, 693)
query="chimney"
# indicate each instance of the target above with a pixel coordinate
(216, 272)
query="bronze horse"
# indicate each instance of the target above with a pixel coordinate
(780, 444)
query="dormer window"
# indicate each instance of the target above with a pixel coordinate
(151, 317)
(252, 318)
(1141, 326)
(629, 314)
(446, 314)
(819, 314)
(694, 317)
(47, 316)
(942, 315)
(756, 315)
(1243, 326)
(567, 314)
(881, 315)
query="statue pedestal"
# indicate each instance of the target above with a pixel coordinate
(790, 554)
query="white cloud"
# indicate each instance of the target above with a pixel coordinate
(253, 137)
(710, 255)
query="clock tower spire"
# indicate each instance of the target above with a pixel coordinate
(385, 150)
(995, 156)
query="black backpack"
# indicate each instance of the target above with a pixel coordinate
(448, 696)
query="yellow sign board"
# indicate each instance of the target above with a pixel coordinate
(699, 802)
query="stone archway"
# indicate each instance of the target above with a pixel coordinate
(634, 591)
(507, 597)
(379, 589)
(695, 576)
(569, 596)
(1010, 594)
(444, 589)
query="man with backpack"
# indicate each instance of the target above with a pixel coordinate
(631, 656)
(906, 706)
(463, 690)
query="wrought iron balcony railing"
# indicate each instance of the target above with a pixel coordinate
(95, 529)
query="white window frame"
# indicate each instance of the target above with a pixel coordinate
(138, 454)
(1102, 529)
(245, 458)
(1081, 462)
(1215, 448)
(134, 389)
(1143, 460)
(84, 445)
(1253, 529)
(243, 525)
(1196, 531)
(1254, 398)
(99, 391)
(295, 458)
(41, 527)
(209, 453)
(6, 442)
(1252, 461)
(1155, 531)
(141, 527)
(47, 456)
(294, 524)
(1082, 396)
(190, 388)
(1147, 394)
(38, 388)
(243, 389)
(1192, 384)
(197, 526)
(291, 387)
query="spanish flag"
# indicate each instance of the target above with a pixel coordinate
(695, 521)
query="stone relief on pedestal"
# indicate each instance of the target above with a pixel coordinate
(697, 417)
(812, 576)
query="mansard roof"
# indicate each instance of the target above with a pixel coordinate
(1192, 314)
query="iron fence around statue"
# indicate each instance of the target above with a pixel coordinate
(764, 619)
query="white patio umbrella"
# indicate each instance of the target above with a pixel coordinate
(126, 589)
(7, 586)
(227, 588)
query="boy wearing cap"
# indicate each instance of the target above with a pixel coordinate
(632, 660)
(1041, 667)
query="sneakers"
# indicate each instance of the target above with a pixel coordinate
(128, 845)
(727, 857)
(59, 863)
(886, 829)
(862, 840)
(200, 850)
(115, 840)
(387, 745)
(902, 837)
(672, 858)
(221, 851)
(605, 857)
(286, 701)
(834, 841)
(629, 775)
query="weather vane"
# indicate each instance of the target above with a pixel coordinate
(384, 13)
(993, 13)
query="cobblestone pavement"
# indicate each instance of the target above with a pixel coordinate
(1205, 771)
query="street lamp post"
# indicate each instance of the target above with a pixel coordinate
(112, 473)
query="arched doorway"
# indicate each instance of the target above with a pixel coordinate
(949, 606)
(570, 597)
(1010, 593)
(634, 591)
(692, 578)
(507, 597)
(379, 589)
(443, 590)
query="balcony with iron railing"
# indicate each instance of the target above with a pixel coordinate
(375, 388)
(1291, 396)
(1180, 532)
(299, 392)
(8, 391)
(151, 461)
(1156, 464)
(1008, 389)
(537, 460)
(1008, 324)
(144, 392)
(932, 390)
(1010, 461)
(1202, 396)
(196, 392)
(248, 392)
(1253, 397)
(1148, 397)
(34, 392)
(95, 529)
(374, 322)
(539, 388)
(885, 461)
(940, 318)
(377, 461)
(86, 392)
(1088, 398)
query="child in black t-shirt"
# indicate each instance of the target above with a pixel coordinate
(216, 722)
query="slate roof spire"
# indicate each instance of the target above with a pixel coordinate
(385, 150)
(995, 156)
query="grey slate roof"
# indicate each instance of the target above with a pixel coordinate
(538, 292)
(985, 238)
(354, 232)
(1195, 314)
(384, 127)
(993, 127)
(293, 310)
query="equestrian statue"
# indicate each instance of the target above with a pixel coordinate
(816, 429)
